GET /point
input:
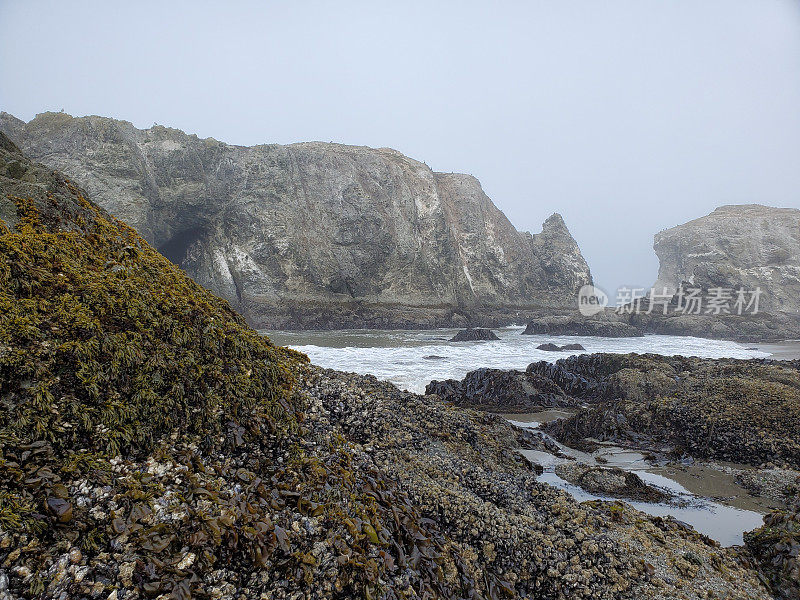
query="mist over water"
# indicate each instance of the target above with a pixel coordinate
(411, 359)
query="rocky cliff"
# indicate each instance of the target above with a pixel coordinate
(745, 246)
(314, 234)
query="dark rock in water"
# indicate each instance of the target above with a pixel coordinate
(609, 481)
(572, 347)
(474, 335)
(433, 357)
(550, 347)
(582, 326)
(501, 391)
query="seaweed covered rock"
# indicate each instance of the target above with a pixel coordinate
(570, 376)
(152, 444)
(501, 390)
(745, 411)
(776, 546)
(462, 469)
(104, 344)
(609, 481)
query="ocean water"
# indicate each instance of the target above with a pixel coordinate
(411, 359)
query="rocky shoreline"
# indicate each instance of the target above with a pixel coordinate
(152, 445)
(744, 411)
(462, 468)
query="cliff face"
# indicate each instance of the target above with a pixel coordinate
(314, 234)
(745, 246)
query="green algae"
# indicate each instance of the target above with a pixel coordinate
(115, 365)
(104, 344)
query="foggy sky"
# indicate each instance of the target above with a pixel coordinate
(627, 117)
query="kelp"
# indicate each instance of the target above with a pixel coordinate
(141, 417)
(776, 547)
(107, 345)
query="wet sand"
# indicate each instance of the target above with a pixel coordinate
(788, 350)
(711, 481)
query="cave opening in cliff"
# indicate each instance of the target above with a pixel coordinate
(177, 247)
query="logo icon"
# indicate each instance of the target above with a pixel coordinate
(591, 300)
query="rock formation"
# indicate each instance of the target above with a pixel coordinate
(602, 325)
(502, 390)
(551, 347)
(314, 234)
(736, 246)
(609, 481)
(742, 411)
(748, 247)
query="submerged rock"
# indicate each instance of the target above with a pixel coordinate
(474, 335)
(550, 347)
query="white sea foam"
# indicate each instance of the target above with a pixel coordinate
(411, 359)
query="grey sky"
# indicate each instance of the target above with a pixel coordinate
(625, 116)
